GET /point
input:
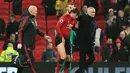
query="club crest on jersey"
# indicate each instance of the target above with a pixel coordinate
(69, 26)
(61, 20)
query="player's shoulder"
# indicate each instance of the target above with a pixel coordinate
(66, 16)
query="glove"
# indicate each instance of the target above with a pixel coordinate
(16, 32)
(19, 46)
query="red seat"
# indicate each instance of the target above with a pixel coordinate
(38, 55)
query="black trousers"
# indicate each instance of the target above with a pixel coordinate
(86, 50)
(29, 50)
(22, 52)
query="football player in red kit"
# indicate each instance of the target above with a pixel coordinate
(62, 41)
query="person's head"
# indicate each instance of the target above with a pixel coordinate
(49, 46)
(32, 10)
(91, 11)
(84, 9)
(12, 37)
(121, 13)
(74, 13)
(70, 6)
(12, 17)
(118, 43)
(122, 35)
(10, 45)
(109, 41)
(111, 11)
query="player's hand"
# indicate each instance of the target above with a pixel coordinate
(48, 38)
(19, 46)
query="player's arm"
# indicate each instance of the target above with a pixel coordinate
(60, 24)
(22, 26)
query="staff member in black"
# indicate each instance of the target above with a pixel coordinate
(85, 37)
(28, 29)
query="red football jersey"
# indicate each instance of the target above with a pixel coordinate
(64, 25)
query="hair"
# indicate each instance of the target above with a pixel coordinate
(109, 39)
(88, 9)
(75, 11)
(12, 15)
(10, 45)
(120, 11)
(70, 3)
(82, 7)
(12, 35)
(122, 32)
(110, 9)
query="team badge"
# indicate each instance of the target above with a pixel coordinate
(61, 20)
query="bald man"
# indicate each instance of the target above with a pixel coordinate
(85, 37)
(28, 30)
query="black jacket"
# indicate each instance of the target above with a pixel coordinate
(86, 31)
(12, 27)
(121, 54)
(107, 52)
(121, 21)
(28, 31)
(2, 26)
(111, 30)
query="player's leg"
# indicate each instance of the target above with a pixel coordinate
(62, 53)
